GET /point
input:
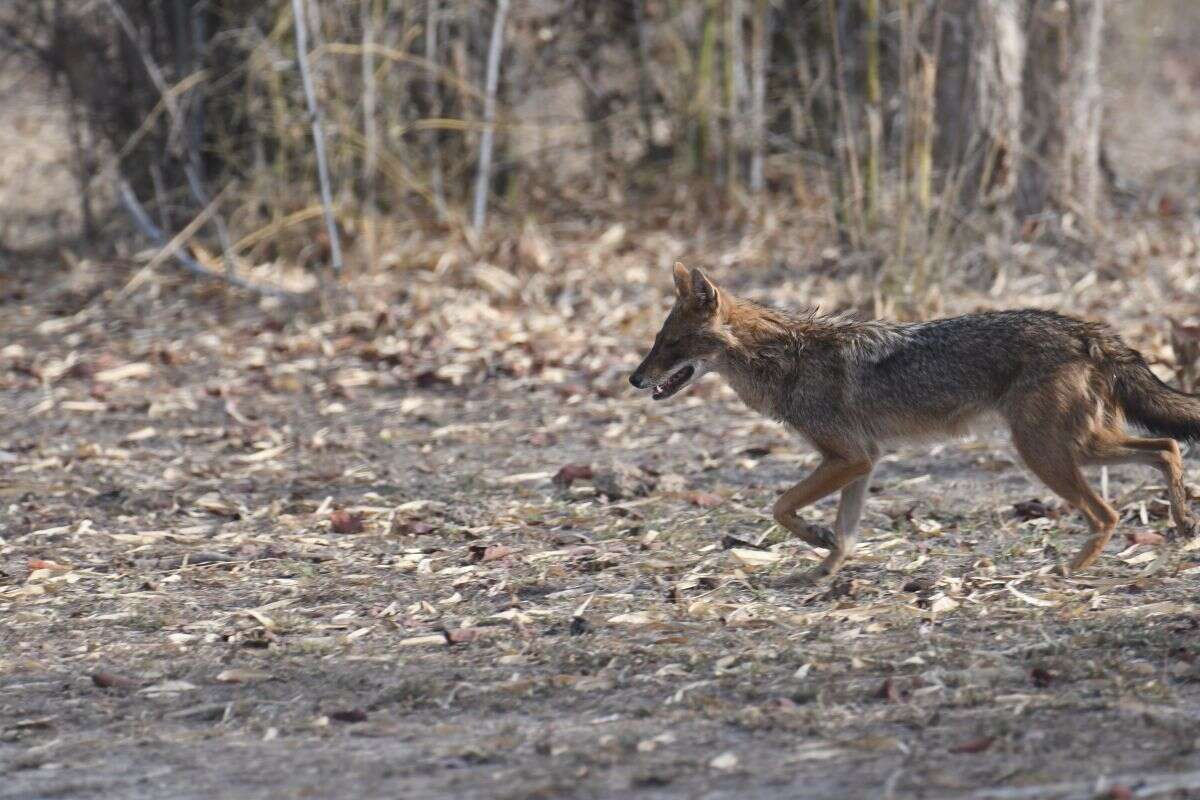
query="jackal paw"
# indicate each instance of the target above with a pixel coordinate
(819, 536)
(1186, 530)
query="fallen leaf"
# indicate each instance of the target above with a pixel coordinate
(1035, 509)
(51, 566)
(922, 584)
(619, 480)
(491, 552)
(890, 692)
(418, 641)
(943, 604)
(1031, 600)
(462, 635)
(169, 687)
(140, 435)
(974, 745)
(728, 542)
(262, 619)
(237, 675)
(345, 522)
(124, 372)
(724, 762)
(205, 712)
(1041, 677)
(348, 715)
(33, 723)
(705, 499)
(571, 473)
(214, 504)
(111, 680)
(754, 558)
(1146, 537)
(633, 618)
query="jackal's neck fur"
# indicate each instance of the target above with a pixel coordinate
(765, 348)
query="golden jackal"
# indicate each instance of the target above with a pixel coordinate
(1064, 386)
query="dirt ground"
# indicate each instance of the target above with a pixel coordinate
(254, 551)
(250, 551)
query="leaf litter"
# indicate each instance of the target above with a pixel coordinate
(442, 511)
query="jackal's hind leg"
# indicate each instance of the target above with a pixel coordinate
(1056, 462)
(1163, 454)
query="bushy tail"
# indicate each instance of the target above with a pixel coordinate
(1152, 404)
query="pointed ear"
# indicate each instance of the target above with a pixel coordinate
(683, 281)
(704, 291)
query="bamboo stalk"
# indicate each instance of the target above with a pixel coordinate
(434, 154)
(487, 140)
(368, 10)
(874, 110)
(643, 65)
(905, 71)
(370, 123)
(848, 151)
(761, 42)
(318, 134)
(736, 90)
(705, 88)
(199, 56)
(927, 86)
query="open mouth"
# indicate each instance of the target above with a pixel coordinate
(677, 380)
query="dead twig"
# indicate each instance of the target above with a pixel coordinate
(198, 191)
(172, 247)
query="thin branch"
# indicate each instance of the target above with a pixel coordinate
(171, 248)
(483, 178)
(198, 192)
(156, 76)
(318, 134)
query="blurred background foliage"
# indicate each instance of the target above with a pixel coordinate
(898, 130)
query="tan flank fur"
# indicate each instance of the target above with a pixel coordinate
(1066, 388)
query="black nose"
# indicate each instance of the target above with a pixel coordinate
(636, 380)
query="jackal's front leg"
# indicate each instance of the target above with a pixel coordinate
(853, 477)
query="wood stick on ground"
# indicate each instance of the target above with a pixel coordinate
(483, 178)
(318, 134)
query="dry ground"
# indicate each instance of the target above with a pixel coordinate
(259, 552)
(189, 609)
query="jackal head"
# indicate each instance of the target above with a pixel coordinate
(688, 344)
